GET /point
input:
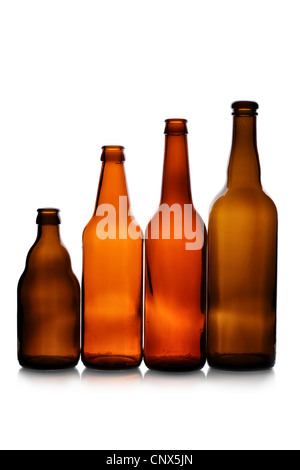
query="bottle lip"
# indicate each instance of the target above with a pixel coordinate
(48, 216)
(176, 126)
(244, 108)
(113, 147)
(113, 153)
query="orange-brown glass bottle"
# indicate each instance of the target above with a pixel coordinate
(242, 258)
(48, 301)
(112, 273)
(175, 273)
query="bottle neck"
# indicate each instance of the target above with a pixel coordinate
(176, 175)
(244, 167)
(48, 221)
(112, 186)
(48, 233)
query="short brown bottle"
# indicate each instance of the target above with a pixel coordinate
(175, 267)
(112, 273)
(48, 301)
(242, 258)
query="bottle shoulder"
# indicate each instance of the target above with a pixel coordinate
(51, 272)
(177, 209)
(175, 222)
(270, 202)
(101, 228)
(42, 255)
(242, 199)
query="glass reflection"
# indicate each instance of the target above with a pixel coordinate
(52, 377)
(242, 379)
(174, 379)
(111, 378)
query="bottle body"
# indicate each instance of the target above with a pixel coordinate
(242, 260)
(48, 302)
(112, 275)
(175, 268)
(174, 304)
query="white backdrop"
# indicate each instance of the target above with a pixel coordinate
(76, 75)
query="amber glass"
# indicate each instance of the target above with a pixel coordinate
(175, 260)
(112, 273)
(242, 258)
(48, 301)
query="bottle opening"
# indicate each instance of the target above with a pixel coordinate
(176, 127)
(112, 153)
(48, 216)
(244, 108)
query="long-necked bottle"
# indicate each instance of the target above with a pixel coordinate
(48, 301)
(242, 258)
(112, 273)
(175, 272)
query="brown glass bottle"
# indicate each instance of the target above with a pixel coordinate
(112, 273)
(175, 265)
(48, 301)
(242, 258)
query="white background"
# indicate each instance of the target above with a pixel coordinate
(76, 75)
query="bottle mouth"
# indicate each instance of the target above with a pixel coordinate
(244, 108)
(112, 153)
(48, 216)
(176, 126)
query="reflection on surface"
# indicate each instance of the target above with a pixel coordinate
(120, 379)
(244, 379)
(172, 379)
(111, 378)
(52, 377)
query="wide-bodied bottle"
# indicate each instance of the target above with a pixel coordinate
(112, 273)
(242, 258)
(48, 301)
(175, 266)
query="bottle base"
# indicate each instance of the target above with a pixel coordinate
(174, 363)
(104, 362)
(48, 362)
(241, 362)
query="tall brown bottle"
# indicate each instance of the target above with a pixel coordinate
(175, 260)
(242, 260)
(112, 273)
(48, 301)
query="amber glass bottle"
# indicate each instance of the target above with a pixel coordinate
(242, 258)
(112, 273)
(175, 260)
(48, 301)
